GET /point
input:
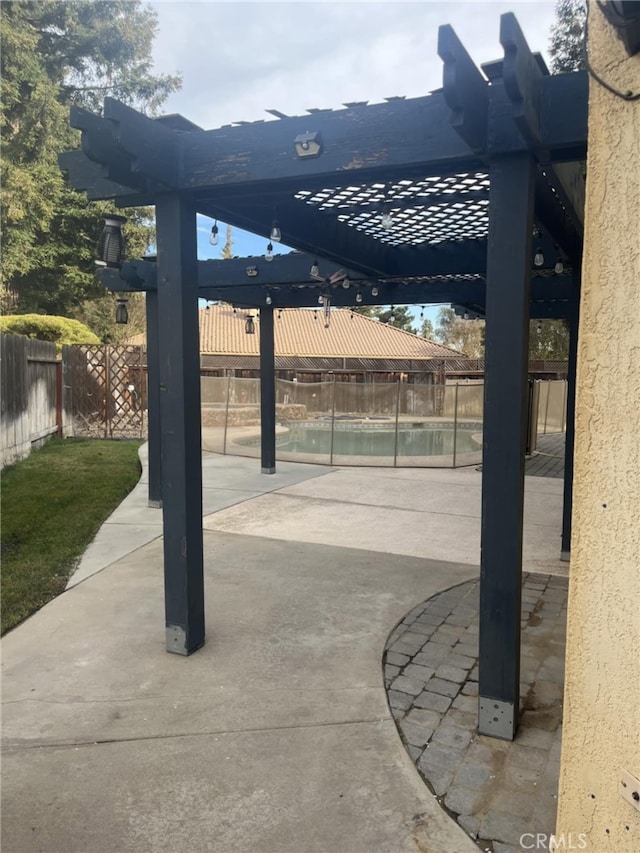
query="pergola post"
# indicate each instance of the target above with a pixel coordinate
(504, 441)
(180, 423)
(153, 399)
(267, 391)
(567, 498)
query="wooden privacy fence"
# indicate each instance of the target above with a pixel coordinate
(108, 390)
(33, 403)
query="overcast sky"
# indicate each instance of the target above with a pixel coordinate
(238, 59)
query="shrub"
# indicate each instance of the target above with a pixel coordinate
(58, 330)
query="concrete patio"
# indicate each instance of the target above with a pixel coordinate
(277, 735)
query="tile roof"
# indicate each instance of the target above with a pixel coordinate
(300, 332)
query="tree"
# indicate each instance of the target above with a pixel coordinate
(398, 316)
(566, 44)
(548, 339)
(227, 249)
(100, 316)
(465, 336)
(426, 329)
(55, 54)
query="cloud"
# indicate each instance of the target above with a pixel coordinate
(239, 59)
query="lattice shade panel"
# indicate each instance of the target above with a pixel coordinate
(428, 211)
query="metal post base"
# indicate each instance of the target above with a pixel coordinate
(496, 718)
(155, 504)
(565, 556)
(269, 470)
(176, 640)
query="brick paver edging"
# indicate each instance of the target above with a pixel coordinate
(497, 790)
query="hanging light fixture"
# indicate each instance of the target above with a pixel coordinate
(538, 258)
(346, 282)
(268, 299)
(276, 234)
(249, 325)
(269, 253)
(359, 296)
(315, 269)
(559, 267)
(374, 290)
(321, 299)
(110, 248)
(122, 313)
(214, 237)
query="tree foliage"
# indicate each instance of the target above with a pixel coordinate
(58, 330)
(566, 44)
(465, 336)
(548, 339)
(100, 315)
(55, 54)
(398, 316)
(427, 329)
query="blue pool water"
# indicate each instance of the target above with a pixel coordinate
(355, 439)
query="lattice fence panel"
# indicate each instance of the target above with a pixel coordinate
(109, 391)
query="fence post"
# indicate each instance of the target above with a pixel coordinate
(107, 391)
(395, 438)
(59, 399)
(333, 417)
(546, 406)
(455, 425)
(226, 416)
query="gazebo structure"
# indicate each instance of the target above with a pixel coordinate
(471, 195)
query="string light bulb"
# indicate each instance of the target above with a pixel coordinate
(269, 254)
(268, 299)
(359, 296)
(374, 290)
(214, 236)
(559, 267)
(392, 315)
(320, 300)
(422, 312)
(315, 269)
(346, 282)
(538, 258)
(276, 234)
(386, 219)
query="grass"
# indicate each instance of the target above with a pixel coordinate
(53, 504)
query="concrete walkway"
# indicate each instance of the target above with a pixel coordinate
(277, 735)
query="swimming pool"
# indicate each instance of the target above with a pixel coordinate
(379, 439)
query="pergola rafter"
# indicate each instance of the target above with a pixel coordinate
(478, 176)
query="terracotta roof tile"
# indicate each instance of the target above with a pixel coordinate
(301, 332)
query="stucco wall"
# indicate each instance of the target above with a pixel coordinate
(602, 691)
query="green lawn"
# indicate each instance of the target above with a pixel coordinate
(53, 503)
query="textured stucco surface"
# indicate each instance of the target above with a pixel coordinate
(602, 692)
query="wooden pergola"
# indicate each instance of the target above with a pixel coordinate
(484, 184)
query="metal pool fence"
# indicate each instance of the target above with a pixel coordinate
(371, 424)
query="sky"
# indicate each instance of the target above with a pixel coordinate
(238, 59)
